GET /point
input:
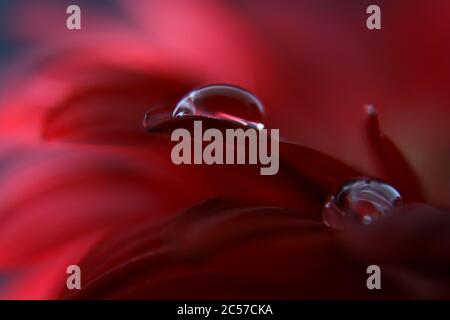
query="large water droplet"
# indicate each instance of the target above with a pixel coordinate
(221, 101)
(362, 200)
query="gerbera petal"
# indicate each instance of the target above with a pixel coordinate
(396, 168)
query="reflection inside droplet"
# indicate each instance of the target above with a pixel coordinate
(225, 102)
(362, 200)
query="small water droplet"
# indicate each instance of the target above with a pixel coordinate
(221, 101)
(362, 200)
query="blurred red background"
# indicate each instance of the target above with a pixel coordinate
(314, 64)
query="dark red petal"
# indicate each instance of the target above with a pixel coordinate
(395, 166)
(322, 173)
(110, 110)
(416, 235)
(218, 250)
(411, 245)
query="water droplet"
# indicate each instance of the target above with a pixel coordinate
(362, 200)
(221, 101)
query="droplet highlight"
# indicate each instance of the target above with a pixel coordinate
(360, 201)
(224, 102)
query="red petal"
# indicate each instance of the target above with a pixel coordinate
(396, 168)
